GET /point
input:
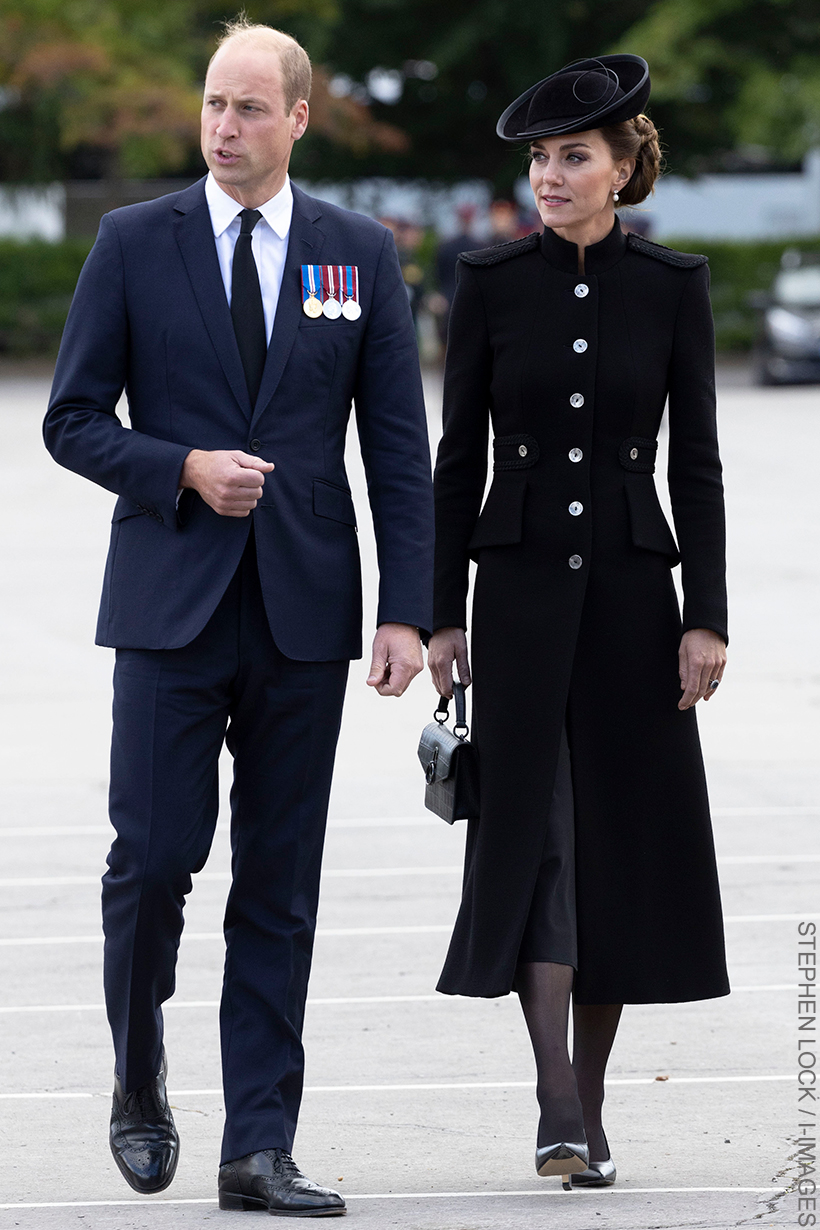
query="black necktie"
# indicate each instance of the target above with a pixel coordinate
(246, 305)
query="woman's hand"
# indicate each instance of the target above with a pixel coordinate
(701, 658)
(446, 646)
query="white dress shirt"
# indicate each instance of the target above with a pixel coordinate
(269, 242)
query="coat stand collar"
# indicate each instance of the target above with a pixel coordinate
(598, 257)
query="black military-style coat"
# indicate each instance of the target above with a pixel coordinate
(575, 617)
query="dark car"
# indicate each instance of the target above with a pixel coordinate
(787, 350)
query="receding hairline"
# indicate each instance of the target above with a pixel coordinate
(261, 38)
(293, 60)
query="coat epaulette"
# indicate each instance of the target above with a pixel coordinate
(502, 252)
(684, 260)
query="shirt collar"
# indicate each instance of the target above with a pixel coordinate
(277, 212)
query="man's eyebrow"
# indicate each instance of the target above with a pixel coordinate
(251, 98)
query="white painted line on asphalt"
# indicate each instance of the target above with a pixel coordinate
(347, 873)
(608, 1193)
(427, 1087)
(106, 830)
(766, 811)
(335, 873)
(359, 822)
(30, 941)
(726, 859)
(333, 932)
(327, 1000)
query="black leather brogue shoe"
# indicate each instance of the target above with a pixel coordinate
(271, 1180)
(144, 1139)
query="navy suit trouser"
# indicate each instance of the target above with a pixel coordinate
(280, 720)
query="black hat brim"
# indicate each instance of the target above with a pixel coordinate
(633, 77)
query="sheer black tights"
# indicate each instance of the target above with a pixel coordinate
(570, 1095)
(544, 988)
(594, 1027)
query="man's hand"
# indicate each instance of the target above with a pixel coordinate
(397, 659)
(446, 646)
(229, 480)
(701, 658)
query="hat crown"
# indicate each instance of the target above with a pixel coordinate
(585, 94)
(574, 93)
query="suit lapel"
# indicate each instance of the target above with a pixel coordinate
(195, 238)
(305, 243)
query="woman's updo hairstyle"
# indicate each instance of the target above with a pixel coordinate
(636, 138)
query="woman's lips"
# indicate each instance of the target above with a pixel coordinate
(554, 201)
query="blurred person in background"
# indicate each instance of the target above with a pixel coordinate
(590, 872)
(240, 315)
(504, 222)
(447, 256)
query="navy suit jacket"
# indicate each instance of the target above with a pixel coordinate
(150, 316)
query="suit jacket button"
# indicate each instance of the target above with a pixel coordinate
(256, 445)
(575, 561)
(576, 454)
(576, 508)
(633, 453)
(577, 400)
(582, 290)
(580, 345)
(522, 450)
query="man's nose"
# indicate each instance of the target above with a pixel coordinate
(227, 125)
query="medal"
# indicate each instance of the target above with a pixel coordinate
(310, 302)
(351, 309)
(331, 306)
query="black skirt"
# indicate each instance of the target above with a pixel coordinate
(551, 932)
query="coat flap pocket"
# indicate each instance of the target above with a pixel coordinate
(650, 529)
(518, 452)
(126, 508)
(500, 521)
(333, 502)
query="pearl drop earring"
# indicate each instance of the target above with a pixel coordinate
(616, 197)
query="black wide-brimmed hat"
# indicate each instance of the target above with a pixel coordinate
(583, 95)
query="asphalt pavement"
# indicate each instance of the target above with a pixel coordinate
(420, 1108)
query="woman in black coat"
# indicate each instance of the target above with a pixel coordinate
(591, 868)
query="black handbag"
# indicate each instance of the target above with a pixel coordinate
(450, 763)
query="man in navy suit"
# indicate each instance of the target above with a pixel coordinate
(232, 590)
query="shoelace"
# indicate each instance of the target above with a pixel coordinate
(283, 1161)
(139, 1100)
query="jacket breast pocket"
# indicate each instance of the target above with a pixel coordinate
(500, 522)
(335, 503)
(650, 529)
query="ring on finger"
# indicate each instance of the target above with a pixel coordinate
(713, 683)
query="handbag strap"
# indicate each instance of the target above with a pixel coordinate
(460, 727)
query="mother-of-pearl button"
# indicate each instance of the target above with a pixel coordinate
(579, 346)
(575, 454)
(577, 400)
(522, 450)
(575, 561)
(576, 508)
(582, 290)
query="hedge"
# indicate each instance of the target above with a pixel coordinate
(737, 269)
(37, 279)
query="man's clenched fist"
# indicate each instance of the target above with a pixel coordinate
(228, 479)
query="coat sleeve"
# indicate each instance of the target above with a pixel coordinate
(81, 429)
(392, 426)
(695, 476)
(461, 465)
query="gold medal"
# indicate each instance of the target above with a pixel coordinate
(312, 307)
